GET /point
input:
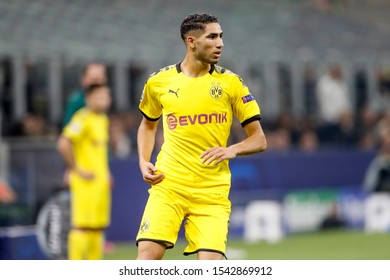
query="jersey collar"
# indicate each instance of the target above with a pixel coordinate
(178, 68)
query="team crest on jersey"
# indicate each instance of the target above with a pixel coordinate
(144, 226)
(216, 91)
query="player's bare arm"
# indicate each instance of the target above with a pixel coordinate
(65, 148)
(254, 143)
(146, 139)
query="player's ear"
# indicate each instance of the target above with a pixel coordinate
(190, 40)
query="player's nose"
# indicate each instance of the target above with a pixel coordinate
(220, 43)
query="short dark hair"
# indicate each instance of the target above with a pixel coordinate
(195, 22)
(90, 89)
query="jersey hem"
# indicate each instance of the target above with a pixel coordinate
(205, 250)
(168, 244)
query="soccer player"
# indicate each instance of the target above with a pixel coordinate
(196, 100)
(93, 74)
(83, 145)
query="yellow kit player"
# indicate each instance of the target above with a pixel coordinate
(196, 100)
(83, 145)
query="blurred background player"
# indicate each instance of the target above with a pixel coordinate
(93, 74)
(83, 145)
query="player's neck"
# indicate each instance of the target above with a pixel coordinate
(194, 68)
(94, 110)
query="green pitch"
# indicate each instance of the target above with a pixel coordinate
(334, 245)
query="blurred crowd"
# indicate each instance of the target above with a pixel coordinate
(337, 114)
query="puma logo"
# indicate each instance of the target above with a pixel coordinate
(174, 92)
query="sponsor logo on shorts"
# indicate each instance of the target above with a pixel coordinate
(144, 226)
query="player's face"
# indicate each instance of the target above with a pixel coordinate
(100, 100)
(209, 44)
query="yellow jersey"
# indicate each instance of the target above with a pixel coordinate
(197, 114)
(88, 132)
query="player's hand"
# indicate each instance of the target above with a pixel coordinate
(217, 154)
(112, 181)
(86, 175)
(150, 173)
(65, 178)
(7, 195)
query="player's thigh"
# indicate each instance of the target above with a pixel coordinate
(163, 215)
(207, 224)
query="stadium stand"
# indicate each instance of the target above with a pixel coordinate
(147, 30)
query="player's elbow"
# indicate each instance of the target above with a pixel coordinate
(262, 145)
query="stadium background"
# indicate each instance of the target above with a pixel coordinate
(280, 48)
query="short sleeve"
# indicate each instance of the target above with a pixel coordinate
(150, 105)
(245, 107)
(76, 128)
